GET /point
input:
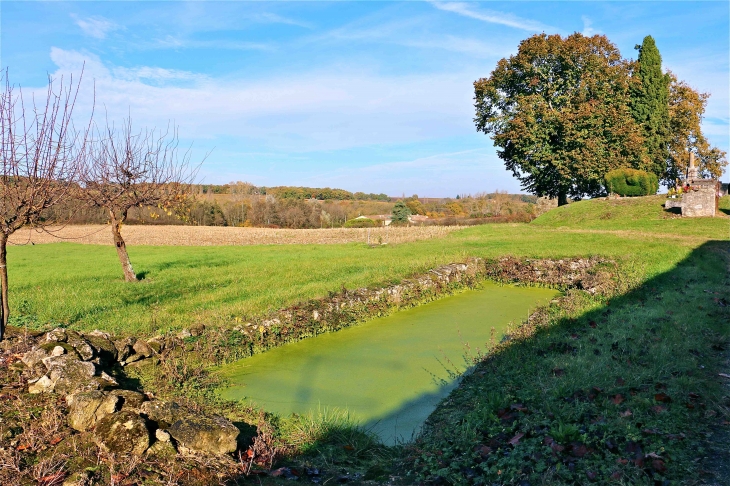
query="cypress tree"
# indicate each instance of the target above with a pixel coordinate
(650, 105)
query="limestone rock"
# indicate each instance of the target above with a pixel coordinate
(58, 351)
(162, 449)
(42, 385)
(87, 408)
(81, 345)
(184, 334)
(106, 352)
(35, 356)
(98, 333)
(123, 432)
(70, 375)
(163, 413)
(124, 348)
(143, 349)
(132, 359)
(197, 329)
(157, 344)
(162, 435)
(58, 334)
(128, 399)
(215, 435)
(106, 380)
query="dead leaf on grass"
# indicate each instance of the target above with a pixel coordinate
(516, 439)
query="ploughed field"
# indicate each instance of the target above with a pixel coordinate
(157, 235)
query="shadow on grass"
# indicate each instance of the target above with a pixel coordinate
(607, 394)
(625, 390)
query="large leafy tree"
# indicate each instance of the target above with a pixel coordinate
(686, 108)
(650, 106)
(558, 111)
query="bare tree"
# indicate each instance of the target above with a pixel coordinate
(127, 169)
(41, 157)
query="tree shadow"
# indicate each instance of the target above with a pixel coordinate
(650, 351)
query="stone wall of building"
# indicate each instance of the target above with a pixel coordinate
(545, 204)
(699, 203)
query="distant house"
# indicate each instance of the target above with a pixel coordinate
(385, 218)
(417, 218)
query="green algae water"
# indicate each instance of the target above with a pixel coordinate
(388, 373)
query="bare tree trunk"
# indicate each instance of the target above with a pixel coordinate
(5, 308)
(562, 197)
(116, 224)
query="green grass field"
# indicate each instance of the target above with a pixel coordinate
(81, 286)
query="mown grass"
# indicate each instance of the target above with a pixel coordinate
(80, 286)
(646, 214)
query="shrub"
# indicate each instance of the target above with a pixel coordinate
(361, 223)
(631, 182)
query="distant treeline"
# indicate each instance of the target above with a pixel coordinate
(285, 207)
(290, 192)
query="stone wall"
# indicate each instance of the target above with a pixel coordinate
(699, 203)
(545, 204)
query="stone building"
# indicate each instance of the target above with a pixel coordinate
(700, 197)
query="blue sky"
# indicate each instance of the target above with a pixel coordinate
(365, 96)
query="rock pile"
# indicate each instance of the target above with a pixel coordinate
(120, 421)
(580, 273)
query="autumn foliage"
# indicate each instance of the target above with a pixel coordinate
(564, 111)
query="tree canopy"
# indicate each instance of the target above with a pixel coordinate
(649, 105)
(558, 111)
(686, 108)
(564, 111)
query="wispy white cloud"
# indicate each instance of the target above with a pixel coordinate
(96, 26)
(156, 75)
(409, 33)
(492, 17)
(588, 29)
(273, 18)
(326, 109)
(176, 42)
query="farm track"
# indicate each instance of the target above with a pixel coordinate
(228, 236)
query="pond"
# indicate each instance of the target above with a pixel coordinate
(388, 373)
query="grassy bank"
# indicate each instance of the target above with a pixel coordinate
(624, 391)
